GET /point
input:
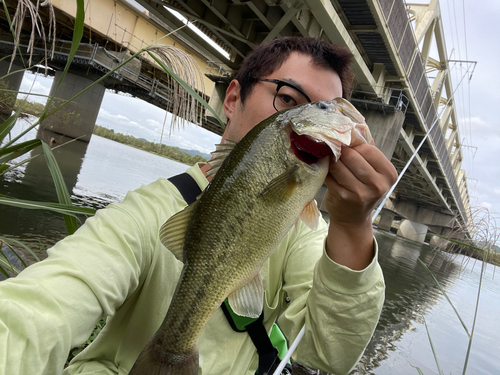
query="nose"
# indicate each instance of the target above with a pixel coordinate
(322, 105)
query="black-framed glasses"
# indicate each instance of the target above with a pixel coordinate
(287, 95)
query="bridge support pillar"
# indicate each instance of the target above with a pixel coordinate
(386, 219)
(441, 242)
(385, 129)
(76, 119)
(412, 230)
(12, 82)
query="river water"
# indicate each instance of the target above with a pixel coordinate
(104, 171)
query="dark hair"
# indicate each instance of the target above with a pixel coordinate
(268, 57)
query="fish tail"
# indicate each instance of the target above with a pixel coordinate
(154, 361)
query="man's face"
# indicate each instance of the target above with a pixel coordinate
(316, 82)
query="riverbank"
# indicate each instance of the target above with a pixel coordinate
(493, 257)
(172, 153)
(169, 152)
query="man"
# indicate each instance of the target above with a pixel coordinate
(116, 267)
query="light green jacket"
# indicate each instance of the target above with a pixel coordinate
(114, 266)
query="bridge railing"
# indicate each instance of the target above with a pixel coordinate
(394, 101)
(104, 60)
(400, 29)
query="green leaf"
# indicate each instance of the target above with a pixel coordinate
(188, 88)
(446, 296)
(55, 207)
(8, 124)
(432, 347)
(5, 265)
(10, 153)
(7, 276)
(15, 253)
(4, 239)
(418, 369)
(464, 244)
(61, 189)
(469, 347)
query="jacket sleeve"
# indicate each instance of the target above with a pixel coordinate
(53, 305)
(340, 307)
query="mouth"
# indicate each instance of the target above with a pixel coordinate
(308, 149)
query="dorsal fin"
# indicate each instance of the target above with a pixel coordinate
(172, 233)
(219, 155)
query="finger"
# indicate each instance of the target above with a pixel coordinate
(357, 166)
(342, 176)
(377, 161)
(340, 192)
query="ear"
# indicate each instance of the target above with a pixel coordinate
(232, 98)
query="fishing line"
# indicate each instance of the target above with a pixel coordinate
(377, 211)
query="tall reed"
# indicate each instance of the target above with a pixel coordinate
(174, 61)
(478, 237)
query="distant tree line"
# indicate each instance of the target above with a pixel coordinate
(31, 108)
(169, 152)
(36, 109)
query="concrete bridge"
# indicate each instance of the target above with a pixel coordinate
(400, 102)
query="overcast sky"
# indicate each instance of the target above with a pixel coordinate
(476, 100)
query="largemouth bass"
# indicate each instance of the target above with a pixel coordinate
(262, 186)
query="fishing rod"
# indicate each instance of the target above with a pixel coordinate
(299, 337)
(388, 194)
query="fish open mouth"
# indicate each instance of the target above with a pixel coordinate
(308, 149)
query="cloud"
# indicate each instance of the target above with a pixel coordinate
(153, 123)
(140, 119)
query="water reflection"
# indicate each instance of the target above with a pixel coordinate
(410, 293)
(69, 157)
(96, 174)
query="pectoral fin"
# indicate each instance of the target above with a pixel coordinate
(248, 301)
(172, 233)
(310, 215)
(282, 186)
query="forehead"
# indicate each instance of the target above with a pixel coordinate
(317, 82)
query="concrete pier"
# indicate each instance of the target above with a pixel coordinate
(77, 118)
(412, 230)
(386, 219)
(439, 242)
(69, 159)
(385, 129)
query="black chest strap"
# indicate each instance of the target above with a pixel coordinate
(187, 186)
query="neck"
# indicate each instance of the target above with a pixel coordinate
(204, 168)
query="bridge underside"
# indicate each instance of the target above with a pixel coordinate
(390, 71)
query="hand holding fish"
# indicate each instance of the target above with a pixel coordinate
(356, 182)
